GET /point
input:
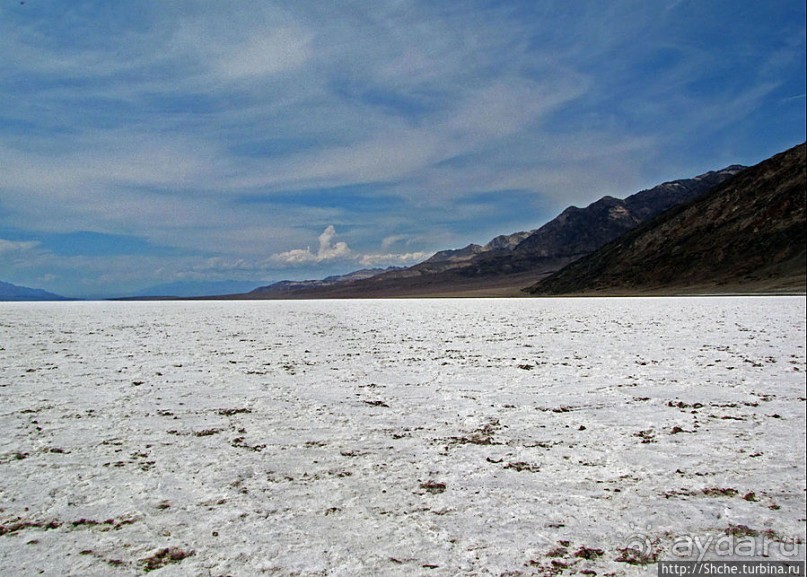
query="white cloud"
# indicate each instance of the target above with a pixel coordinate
(265, 54)
(389, 259)
(392, 240)
(295, 257)
(221, 45)
(214, 130)
(328, 250)
(12, 246)
(331, 251)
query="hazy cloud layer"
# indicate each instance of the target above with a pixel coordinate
(228, 136)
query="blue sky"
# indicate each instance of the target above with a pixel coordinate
(147, 142)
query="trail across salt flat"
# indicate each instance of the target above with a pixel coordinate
(423, 437)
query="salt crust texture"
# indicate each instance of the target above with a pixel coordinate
(399, 437)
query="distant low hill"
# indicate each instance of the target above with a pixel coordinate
(286, 288)
(10, 292)
(182, 289)
(747, 235)
(509, 262)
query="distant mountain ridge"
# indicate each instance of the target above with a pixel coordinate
(504, 242)
(574, 233)
(290, 286)
(11, 292)
(514, 260)
(182, 289)
(749, 234)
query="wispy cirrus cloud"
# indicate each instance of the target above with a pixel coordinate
(11, 246)
(159, 119)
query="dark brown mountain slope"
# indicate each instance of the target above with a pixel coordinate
(580, 231)
(747, 235)
(508, 262)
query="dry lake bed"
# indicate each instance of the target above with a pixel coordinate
(400, 437)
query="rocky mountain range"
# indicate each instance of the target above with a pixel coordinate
(746, 235)
(509, 262)
(732, 230)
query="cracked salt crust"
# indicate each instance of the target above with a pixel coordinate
(422, 437)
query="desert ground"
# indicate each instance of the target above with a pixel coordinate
(440, 437)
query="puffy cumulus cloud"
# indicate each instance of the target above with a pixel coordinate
(328, 250)
(296, 256)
